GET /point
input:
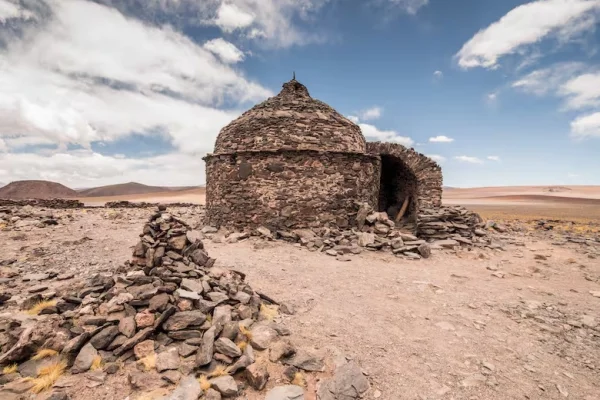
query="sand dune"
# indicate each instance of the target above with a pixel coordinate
(196, 195)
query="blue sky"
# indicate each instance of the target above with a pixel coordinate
(108, 91)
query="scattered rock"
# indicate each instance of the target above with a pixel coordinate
(286, 392)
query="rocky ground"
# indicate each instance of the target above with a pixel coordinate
(515, 320)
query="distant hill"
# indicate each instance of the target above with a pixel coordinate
(35, 190)
(126, 189)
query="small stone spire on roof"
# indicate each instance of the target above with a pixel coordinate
(293, 88)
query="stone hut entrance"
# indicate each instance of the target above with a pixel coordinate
(397, 190)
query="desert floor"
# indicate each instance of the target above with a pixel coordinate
(441, 328)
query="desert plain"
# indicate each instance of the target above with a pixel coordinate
(516, 320)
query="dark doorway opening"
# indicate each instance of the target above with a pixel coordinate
(397, 190)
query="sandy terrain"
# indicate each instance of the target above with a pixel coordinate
(196, 196)
(442, 328)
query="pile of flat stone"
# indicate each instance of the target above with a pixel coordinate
(439, 228)
(450, 222)
(173, 306)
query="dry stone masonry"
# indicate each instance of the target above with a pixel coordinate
(171, 309)
(294, 162)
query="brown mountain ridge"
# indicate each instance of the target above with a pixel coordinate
(39, 189)
(36, 190)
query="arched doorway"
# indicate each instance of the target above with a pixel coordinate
(397, 190)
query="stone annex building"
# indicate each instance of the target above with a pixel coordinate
(294, 162)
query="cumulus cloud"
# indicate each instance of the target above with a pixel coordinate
(468, 159)
(493, 158)
(372, 133)
(85, 168)
(525, 25)
(226, 51)
(438, 75)
(371, 113)
(441, 139)
(90, 74)
(437, 158)
(586, 126)
(11, 9)
(582, 91)
(230, 17)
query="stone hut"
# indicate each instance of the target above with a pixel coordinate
(294, 162)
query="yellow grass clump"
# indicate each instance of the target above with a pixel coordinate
(42, 305)
(149, 362)
(244, 331)
(204, 383)
(44, 353)
(242, 345)
(220, 370)
(299, 379)
(268, 312)
(10, 369)
(47, 376)
(97, 363)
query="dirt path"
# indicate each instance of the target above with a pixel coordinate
(442, 328)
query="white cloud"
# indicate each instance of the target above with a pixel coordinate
(573, 175)
(437, 158)
(230, 17)
(525, 25)
(438, 74)
(493, 158)
(353, 118)
(467, 159)
(409, 6)
(90, 74)
(86, 168)
(582, 91)
(226, 51)
(586, 126)
(547, 80)
(12, 10)
(441, 139)
(372, 133)
(371, 113)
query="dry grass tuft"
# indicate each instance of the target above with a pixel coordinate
(268, 312)
(47, 376)
(42, 305)
(149, 362)
(44, 353)
(220, 370)
(204, 383)
(299, 379)
(97, 363)
(10, 369)
(242, 345)
(244, 331)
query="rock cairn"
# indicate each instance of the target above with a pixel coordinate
(170, 308)
(445, 222)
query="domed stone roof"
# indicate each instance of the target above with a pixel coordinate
(292, 120)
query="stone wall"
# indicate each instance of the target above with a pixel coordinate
(427, 172)
(289, 189)
(292, 120)
(44, 203)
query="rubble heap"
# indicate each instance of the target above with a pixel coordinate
(445, 222)
(26, 216)
(443, 227)
(170, 307)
